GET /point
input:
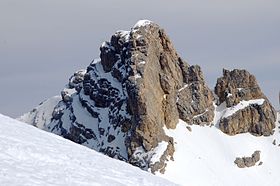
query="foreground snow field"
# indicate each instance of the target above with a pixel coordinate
(205, 156)
(30, 156)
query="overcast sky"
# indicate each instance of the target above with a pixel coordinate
(43, 42)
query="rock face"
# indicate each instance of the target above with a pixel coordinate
(247, 109)
(248, 161)
(195, 100)
(121, 104)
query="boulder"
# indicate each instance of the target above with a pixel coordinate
(248, 161)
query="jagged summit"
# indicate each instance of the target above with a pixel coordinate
(125, 101)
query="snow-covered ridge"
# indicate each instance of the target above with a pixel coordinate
(57, 116)
(32, 157)
(41, 115)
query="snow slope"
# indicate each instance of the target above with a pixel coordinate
(205, 156)
(30, 156)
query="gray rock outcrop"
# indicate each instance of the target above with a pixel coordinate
(248, 161)
(239, 91)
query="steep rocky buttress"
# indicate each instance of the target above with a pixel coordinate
(121, 104)
(248, 110)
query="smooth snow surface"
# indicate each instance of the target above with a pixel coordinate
(206, 157)
(30, 156)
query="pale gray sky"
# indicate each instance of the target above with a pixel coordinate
(42, 42)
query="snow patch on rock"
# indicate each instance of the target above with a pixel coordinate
(151, 156)
(243, 104)
(142, 23)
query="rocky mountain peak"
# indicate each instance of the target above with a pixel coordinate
(124, 102)
(159, 87)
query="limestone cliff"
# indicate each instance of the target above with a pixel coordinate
(251, 110)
